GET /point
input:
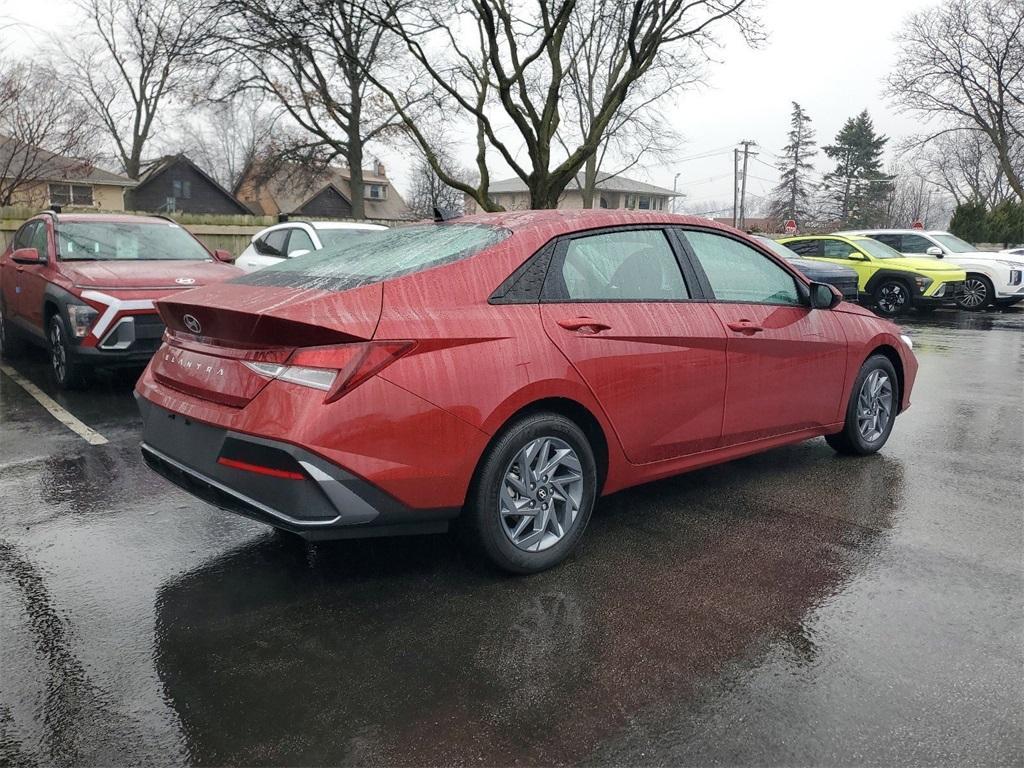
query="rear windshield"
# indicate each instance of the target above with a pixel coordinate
(126, 241)
(377, 256)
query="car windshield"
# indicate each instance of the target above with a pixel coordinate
(335, 237)
(380, 255)
(876, 249)
(127, 241)
(777, 247)
(954, 244)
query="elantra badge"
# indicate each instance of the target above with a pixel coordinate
(192, 324)
(185, 280)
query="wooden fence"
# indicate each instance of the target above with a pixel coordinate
(232, 233)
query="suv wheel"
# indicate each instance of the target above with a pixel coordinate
(977, 295)
(871, 412)
(67, 374)
(892, 297)
(533, 494)
(12, 344)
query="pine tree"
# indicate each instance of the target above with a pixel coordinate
(857, 188)
(791, 198)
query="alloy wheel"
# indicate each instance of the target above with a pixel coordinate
(874, 405)
(975, 293)
(892, 298)
(540, 495)
(58, 355)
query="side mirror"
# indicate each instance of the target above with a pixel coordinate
(857, 256)
(299, 252)
(824, 296)
(27, 256)
(224, 256)
(935, 251)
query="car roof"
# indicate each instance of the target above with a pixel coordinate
(341, 225)
(901, 231)
(110, 218)
(833, 235)
(561, 221)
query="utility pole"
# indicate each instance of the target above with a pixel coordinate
(747, 144)
(675, 200)
(735, 185)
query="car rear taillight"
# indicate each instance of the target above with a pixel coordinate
(335, 369)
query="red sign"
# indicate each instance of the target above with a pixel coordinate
(790, 226)
(918, 224)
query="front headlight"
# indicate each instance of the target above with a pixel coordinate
(81, 317)
(907, 340)
(922, 282)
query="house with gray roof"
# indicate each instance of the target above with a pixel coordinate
(613, 191)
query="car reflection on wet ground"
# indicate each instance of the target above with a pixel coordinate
(790, 608)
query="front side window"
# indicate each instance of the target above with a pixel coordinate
(380, 255)
(915, 244)
(300, 241)
(739, 273)
(837, 249)
(26, 234)
(954, 244)
(126, 241)
(637, 265)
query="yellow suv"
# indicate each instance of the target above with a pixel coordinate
(890, 281)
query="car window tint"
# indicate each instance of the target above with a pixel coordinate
(24, 237)
(805, 247)
(273, 242)
(636, 265)
(300, 241)
(837, 249)
(739, 273)
(915, 244)
(893, 241)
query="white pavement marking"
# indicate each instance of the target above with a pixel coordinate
(59, 412)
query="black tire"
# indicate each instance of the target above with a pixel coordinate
(852, 440)
(978, 293)
(487, 527)
(12, 343)
(892, 297)
(67, 374)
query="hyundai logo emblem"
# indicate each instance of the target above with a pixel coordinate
(185, 280)
(192, 324)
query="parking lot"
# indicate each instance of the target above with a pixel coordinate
(792, 608)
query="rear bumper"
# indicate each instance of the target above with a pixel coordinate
(317, 499)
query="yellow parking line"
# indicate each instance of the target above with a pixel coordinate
(56, 410)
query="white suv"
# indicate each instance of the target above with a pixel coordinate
(992, 278)
(294, 238)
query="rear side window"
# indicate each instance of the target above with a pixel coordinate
(739, 273)
(379, 256)
(806, 247)
(636, 265)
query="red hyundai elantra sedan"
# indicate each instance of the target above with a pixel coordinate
(507, 369)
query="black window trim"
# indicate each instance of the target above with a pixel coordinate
(802, 288)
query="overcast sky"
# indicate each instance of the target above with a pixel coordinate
(829, 55)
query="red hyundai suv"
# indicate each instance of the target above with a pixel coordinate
(83, 285)
(509, 368)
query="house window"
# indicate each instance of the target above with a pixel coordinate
(377, 191)
(182, 189)
(644, 203)
(70, 194)
(604, 201)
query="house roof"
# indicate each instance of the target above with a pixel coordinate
(53, 167)
(293, 186)
(606, 182)
(156, 168)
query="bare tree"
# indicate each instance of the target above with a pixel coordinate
(427, 191)
(44, 135)
(505, 65)
(961, 163)
(313, 58)
(226, 137)
(962, 63)
(597, 32)
(134, 57)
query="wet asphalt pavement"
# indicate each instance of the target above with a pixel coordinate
(794, 608)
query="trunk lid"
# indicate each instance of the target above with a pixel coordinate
(216, 330)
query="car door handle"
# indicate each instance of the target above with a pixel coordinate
(745, 326)
(585, 324)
